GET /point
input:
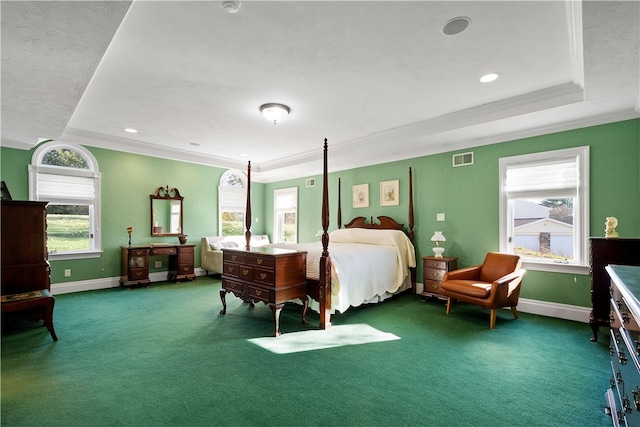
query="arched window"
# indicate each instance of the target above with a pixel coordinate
(67, 176)
(232, 203)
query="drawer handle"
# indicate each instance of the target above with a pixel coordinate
(259, 261)
(233, 257)
(185, 268)
(229, 269)
(138, 274)
(263, 276)
(245, 271)
(258, 292)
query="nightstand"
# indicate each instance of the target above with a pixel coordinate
(433, 271)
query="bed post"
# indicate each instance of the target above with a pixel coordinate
(325, 262)
(411, 224)
(247, 216)
(339, 203)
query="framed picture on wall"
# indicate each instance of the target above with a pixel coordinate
(361, 196)
(389, 193)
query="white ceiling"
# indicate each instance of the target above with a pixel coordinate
(377, 78)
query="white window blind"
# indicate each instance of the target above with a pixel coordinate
(232, 199)
(64, 187)
(547, 178)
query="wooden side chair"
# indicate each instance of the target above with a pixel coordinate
(493, 284)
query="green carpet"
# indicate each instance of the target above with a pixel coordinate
(163, 356)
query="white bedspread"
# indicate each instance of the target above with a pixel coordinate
(367, 265)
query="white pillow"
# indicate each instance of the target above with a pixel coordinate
(216, 245)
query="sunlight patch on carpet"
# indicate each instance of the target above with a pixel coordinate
(337, 336)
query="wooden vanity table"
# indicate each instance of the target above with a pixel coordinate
(135, 263)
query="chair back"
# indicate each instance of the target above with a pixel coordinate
(497, 265)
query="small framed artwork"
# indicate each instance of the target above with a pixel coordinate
(361, 196)
(5, 192)
(389, 193)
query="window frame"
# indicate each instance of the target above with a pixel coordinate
(276, 211)
(580, 263)
(36, 167)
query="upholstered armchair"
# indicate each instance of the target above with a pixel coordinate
(494, 284)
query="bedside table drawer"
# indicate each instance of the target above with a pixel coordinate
(434, 263)
(434, 274)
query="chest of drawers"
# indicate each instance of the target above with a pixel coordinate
(623, 397)
(269, 275)
(433, 271)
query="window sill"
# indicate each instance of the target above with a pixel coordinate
(54, 256)
(556, 267)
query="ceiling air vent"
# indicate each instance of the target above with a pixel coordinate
(311, 182)
(462, 159)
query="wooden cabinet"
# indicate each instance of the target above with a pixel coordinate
(601, 253)
(433, 271)
(25, 265)
(623, 396)
(134, 263)
(270, 275)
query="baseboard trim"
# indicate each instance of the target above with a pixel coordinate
(105, 283)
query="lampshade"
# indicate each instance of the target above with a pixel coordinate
(275, 112)
(438, 237)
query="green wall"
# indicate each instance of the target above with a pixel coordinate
(127, 181)
(468, 196)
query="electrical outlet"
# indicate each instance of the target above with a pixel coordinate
(67, 272)
(158, 264)
(440, 217)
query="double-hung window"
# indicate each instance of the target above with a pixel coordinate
(285, 202)
(67, 177)
(544, 209)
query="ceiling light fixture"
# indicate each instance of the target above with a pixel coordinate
(131, 130)
(274, 112)
(231, 6)
(489, 77)
(456, 26)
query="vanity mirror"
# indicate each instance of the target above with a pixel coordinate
(166, 212)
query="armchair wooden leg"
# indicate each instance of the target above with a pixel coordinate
(492, 322)
(515, 312)
(449, 305)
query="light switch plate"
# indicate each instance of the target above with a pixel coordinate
(440, 217)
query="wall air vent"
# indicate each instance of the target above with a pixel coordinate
(311, 182)
(462, 159)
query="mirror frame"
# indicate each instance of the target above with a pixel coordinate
(166, 193)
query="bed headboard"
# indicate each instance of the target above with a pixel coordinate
(385, 223)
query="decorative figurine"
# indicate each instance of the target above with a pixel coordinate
(129, 232)
(610, 227)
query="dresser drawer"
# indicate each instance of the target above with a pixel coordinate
(245, 272)
(261, 294)
(261, 261)
(186, 258)
(231, 270)
(138, 273)
(434, 263)
(163, 251)
(434, 274)
(264, 276)
(234, 257)
(233, 286)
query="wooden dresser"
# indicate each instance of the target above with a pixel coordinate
(134, 263)
(271, 275)
(601, 253)
(25, 265)
(623, 396)
(433, 271)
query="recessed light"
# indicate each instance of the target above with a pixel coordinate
(195, 144)
(489, 77)
(131, 130)
(456, 26)
(243, 155)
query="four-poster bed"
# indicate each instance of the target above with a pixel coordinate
(369, 261)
